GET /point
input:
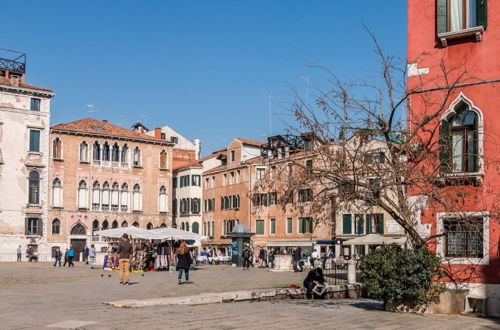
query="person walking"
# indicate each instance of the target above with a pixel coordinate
(124, 251)
(65, 257)
(314, 256)
(71, 255)
(19, 253)
(57, 257)
(296, 256)
(262, 258)
(86, 255)
(29, 254)
(184, 262)
(92, 254)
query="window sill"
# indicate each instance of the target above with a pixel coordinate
(476, 32)
(460, 179)
(36, 153)
(57, 207)
(465, 261)
(136, 166)
(136, 211)
(164, 169)
(33, 236)
(58, 159)
(83, 209)
(84, 162)
(34, 205)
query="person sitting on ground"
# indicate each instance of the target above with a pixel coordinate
(314, 277)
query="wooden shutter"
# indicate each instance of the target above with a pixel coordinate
(444, 146)
(482, 13)
(346, 224)
(380, 223)
(442, 16)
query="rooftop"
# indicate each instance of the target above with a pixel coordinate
(103, 128)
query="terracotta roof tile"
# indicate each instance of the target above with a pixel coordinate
(17, 83)
(102, 128)
(213, 155)
(251, 142)
(179, 165)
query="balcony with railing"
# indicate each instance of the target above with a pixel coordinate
(124, 208)
(95, 206)
(105, 207)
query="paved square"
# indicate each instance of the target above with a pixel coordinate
(35, 296)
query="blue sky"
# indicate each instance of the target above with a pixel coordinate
(203, 67)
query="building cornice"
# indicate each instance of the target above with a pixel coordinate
(108, 136)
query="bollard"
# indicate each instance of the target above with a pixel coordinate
(351, 272)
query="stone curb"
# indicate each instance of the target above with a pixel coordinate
(334, 291)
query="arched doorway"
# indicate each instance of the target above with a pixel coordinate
(78, 240)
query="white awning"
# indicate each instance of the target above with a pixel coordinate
(132, 232)
(176, 234)
(290, 243)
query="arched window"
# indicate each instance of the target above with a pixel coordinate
(84, 152)
(163, 199)
(136, 161)
(114, 224)
(115, 154)
(459, 140)
(196, 228)
(135, 224)
(124, 198)
(163, 159)
(57, 148)
(182, 226)
(124, 156)
(115, 198)
(124, 224)
(96, 196)
(187, 226)
(163, 225)
(82, 195)
(34, 188)
(56, 193)
(105, 225)
(95, 226)
(96, 152)
(105, 152)
(78, 229)
(137, 198)
(105, 196)
(149, 226)
(56, 227)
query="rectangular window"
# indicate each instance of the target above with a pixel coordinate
(174, 139)
(375, 223)
(347, 224)
(260, 227)
(308, 145)
(464, 238)
(273, 226)
(309, 167)
(232, 155)
(305, 225)
(33, 226)
(261, 173)
(273, 198)
(35, 104)
(305, 195)
(456, 15)
(289, 225)
(196, 180)
(34, 140)
(359, 224)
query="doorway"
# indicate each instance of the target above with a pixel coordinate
(79, 247)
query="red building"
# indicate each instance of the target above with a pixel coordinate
(454, 43)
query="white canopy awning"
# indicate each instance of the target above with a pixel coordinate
(176, 234)
(133, 232)
(290, 243)
(370, 239)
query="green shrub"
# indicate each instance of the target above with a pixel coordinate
(401, 276)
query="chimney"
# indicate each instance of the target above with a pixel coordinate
(158, 133)
(197, 146)
(105, 120)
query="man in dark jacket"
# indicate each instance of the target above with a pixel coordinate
(58, 256)
(296, 257)
(125, 253)
(246, 257)
(263, 258)
(313, 278)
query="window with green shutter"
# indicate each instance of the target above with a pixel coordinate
(380, 223)
(289, 225)
(260, 227)
(34, 140)
(457, 15)
(273, 226)
(359, 219)
(347, 224)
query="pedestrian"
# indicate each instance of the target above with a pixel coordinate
(71, 255)
(296, 256)
(86, 255)
(263, 258)
(314, 256)
(271, 258)
(124, 251)
(19, 253)
(314, 277)
(57, 257)
(246, 255)
(65, 257)
(92, 255)
(29, 254)
(184, 262)
(210, 256)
